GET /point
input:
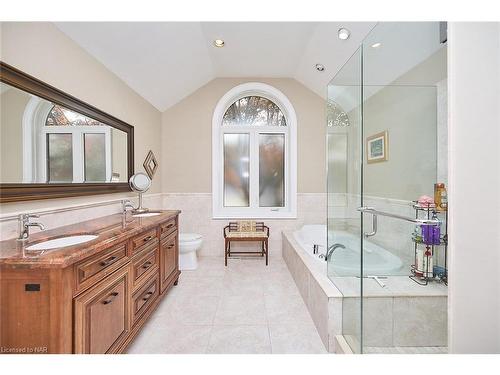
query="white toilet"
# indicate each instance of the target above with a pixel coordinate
(189, 244)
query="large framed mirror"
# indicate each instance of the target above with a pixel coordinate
(54, 145)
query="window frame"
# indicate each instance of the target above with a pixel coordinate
(289, 211)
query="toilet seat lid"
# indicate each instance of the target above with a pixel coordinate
(187, 237)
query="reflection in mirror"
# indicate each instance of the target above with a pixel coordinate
(43, 142)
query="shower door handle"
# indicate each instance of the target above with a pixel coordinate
(374, 222)
(375, 213)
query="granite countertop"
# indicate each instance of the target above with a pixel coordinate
(110, 229)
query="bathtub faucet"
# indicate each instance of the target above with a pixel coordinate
(331, 249)
(316, 248)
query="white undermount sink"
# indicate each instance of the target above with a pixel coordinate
(62, 242)
(146, 214)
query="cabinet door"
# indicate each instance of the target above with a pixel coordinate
(168, 259)
(102, 315)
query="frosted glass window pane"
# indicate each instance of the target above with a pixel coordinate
(254, 111)
(95, 157)
(60, 157)
(271, 170)
(236, 170)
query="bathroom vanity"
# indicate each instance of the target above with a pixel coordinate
(88, 298)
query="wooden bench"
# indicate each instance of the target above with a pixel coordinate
(246, 231)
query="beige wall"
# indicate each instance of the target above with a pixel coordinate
(42, 50)
(187, 136)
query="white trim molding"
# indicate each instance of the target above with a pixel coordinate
(290, 131)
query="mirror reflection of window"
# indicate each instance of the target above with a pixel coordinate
(43, 142)
(67, 131)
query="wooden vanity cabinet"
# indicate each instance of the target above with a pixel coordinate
(169, 259)
(96, 305)
(102, 316)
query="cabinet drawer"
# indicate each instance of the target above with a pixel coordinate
(144, 240)
(102, 315)
(144, 297)
(95, 268)
(143, 265)
(168, 228)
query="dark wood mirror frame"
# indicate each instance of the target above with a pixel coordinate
(16, 192)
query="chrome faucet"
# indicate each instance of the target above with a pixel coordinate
(315, 248)
(332, 248)
(24, 226)
(126, 204)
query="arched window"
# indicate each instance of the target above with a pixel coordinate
(254, 154)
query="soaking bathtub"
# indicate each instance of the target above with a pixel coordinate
(346, 262)
(329, 293)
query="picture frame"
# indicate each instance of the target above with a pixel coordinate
(377, 148)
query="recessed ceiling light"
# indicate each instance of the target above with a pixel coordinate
(376, 45)
(320, 67)
(344, 33)
(219, 43)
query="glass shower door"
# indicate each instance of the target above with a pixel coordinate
(404, 65)
(344, 128)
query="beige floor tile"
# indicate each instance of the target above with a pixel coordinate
(240, 309)
(187, 309)
(207, 266)
(243, 284)
(202, 286)
(245, 339)
(174, 339)
(286, 310)
(216, 309)
(295, 338)
(279, 284)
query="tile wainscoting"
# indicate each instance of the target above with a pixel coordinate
(196, 216)
(66, 214)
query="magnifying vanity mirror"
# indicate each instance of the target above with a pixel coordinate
(54, 145)
(140, 183)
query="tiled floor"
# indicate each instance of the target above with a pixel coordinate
(243, 308)
(406, 350)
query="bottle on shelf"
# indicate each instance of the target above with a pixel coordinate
(424, 266)
(440, 197)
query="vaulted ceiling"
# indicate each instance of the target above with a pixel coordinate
(166, 61)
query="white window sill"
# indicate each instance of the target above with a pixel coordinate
(252, 215)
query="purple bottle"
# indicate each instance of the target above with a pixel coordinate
(431, 234)
(427, 234)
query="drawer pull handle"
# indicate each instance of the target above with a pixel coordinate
(108, 261)
(170, 225)
(147, 265)
(146, 239)
(112, 297)
(148, 296)
(170, 246)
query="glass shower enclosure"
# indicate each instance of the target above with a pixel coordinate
(386, 145)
